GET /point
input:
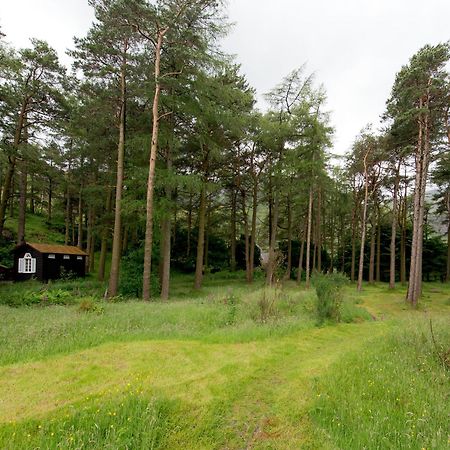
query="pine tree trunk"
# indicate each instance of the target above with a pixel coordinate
(394, 229)
(233, 230)
(447, 278)
(270, 279)
(319, 230)
(89, 239)
(422, 162)
(289, 243)
(166, 229)
(189, 231)
(372, 253)
(300, 259)
(6, 191)
(201, 238)
(67, 217)
(378, 261)
(22, 203)
(50, 199)
(151, 172)
(308, 239)
(253, 235)
(246, 237)
(363, 225)
(80, 221)
(105, 238)
(116, 253)
(353, 263)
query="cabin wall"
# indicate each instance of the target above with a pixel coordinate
(54, 268)
(48, 268)
(20, 253)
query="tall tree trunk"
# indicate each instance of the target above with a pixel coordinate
(80, 220)
(289, 237)
(166, 229)
(151, 172)
(273, 239)
(308, 238)
(422, 162)
(378, 261)
(116, 253)
(105, 238)
(363, 225)
(372, 252)
(6, 191)
(201, 238)
(447, 278)
(189, 232)
(89, 239)
(22, 203)
(300, 258)
(253, 236)
(353, 263)
(319, 230)
(67, 217)
(246, 237)
(233, 229)
(207, 230)
(394, 228)
(50, 199)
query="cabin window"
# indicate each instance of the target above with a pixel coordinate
(27, 264)
(66, 257)
(51, 256)
(80, 258)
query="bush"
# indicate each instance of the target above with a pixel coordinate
(90, 306)
(132, 268)
(48, 297)
(329, 295)
(267, 305)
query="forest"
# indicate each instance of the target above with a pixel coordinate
(151, 155)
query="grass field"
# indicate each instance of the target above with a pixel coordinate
(216, 369)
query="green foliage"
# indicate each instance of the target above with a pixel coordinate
(48, 297)
(329, 295)
(59, 292)
(131, 271)
(89, 305)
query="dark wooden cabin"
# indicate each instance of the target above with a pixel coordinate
(47, 262)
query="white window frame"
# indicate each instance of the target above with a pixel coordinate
(51, 256)
(79, 258)
(66, 257)
(27, 264)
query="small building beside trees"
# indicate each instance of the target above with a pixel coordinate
(47, 261)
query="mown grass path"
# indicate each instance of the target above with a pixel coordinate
(264, 388)
(229, 395)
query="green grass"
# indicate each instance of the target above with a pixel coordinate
(393, 394)
(38, 229)
(209, 370)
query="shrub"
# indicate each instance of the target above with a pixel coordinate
(90, 306)
(329, 295)
(131, 275)
(48, 297)
(267, 305)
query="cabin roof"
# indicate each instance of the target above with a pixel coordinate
(59, 249)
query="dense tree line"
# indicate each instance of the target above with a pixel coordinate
(151, 149)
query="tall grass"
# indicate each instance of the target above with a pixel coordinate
(393, 395)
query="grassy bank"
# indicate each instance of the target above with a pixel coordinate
(219, 369)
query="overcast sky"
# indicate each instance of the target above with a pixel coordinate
(355, 47)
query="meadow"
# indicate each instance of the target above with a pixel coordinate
(231, 366)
